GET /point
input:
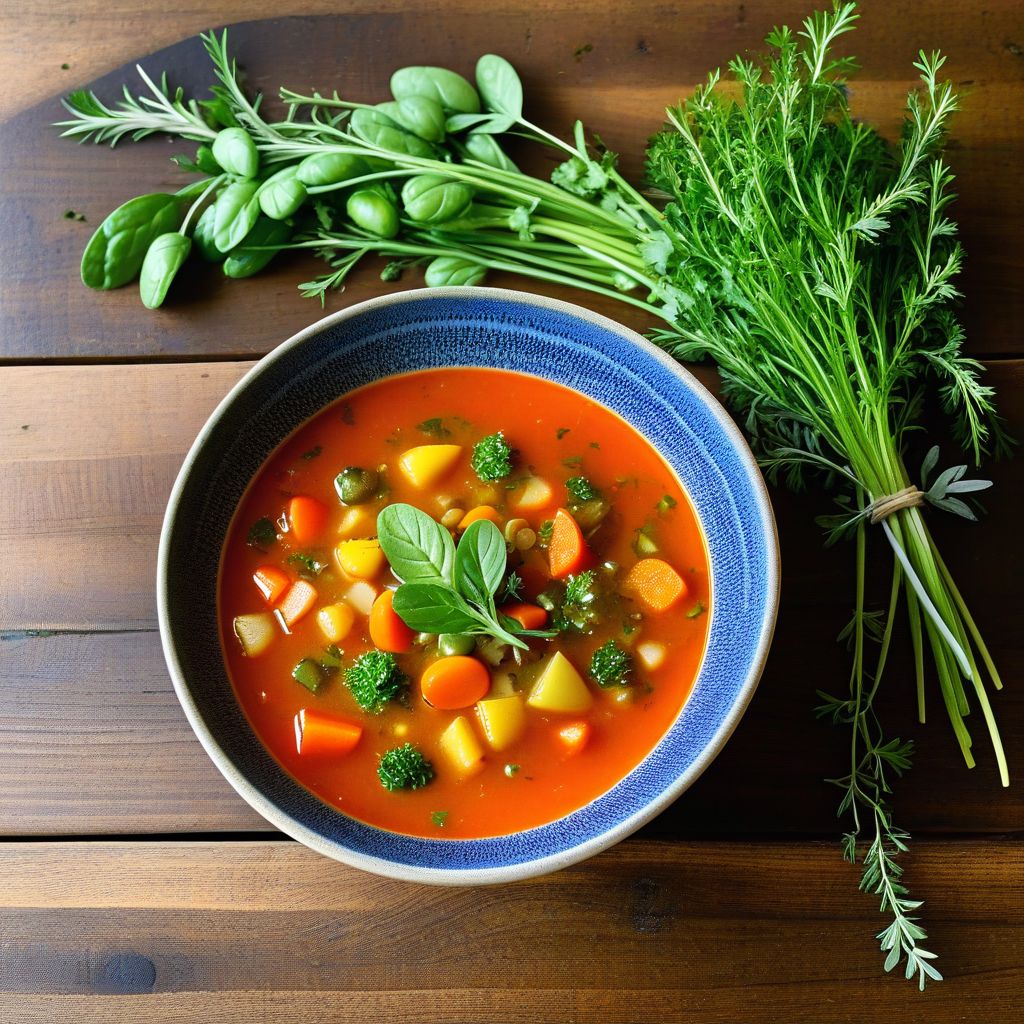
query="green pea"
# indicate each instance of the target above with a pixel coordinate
(373, 212)
(164, 258)
(234, 150)
(330, 169)
(434, 199)
(422, 116)
(206, 162)
(261, 246)
(202, 238)
(355, 485)
(449, 89)
(282, 194)
(486, 149)
(234, 214)
(380, 130)
(118, 246)
(453, 644)
(451, 270)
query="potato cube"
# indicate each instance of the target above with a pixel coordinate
(461, 747)
(255, 632)
(503, 720)
(335, 620)
(651, 655)
(537, 494)
(425, 465)
(361, 559)
(358, 521)
(560, 688)
(361, 596)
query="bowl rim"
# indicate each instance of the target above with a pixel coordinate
(562, 858)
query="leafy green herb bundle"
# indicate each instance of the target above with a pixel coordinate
(814, 262)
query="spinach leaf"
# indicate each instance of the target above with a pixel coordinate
(434, 608)
(418, 549)
(499, 86)
(480, 562)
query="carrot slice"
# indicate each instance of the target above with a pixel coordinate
(655, 583)
(529, 616)
(307, 518)
(320, 735)
(297, 602)
(488, 512)
(387, 630)
(271, 582)
(455, 682)
(574, 736)
(567, 550)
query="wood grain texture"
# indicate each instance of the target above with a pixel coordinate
(675, 932)
(641, 59)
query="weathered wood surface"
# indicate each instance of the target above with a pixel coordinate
(641, 59)
(99, 699)
(648, 931)
(766, 926)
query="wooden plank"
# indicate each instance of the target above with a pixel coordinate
(92, 739)
(177, 932)
(633, 69)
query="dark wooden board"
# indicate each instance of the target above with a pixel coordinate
(676, 932)
(641, 58)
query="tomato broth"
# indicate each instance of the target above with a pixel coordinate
(297, 605)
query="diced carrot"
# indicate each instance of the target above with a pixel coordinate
(655, 583)
(455, 682)
(387, 630)
(529, 616)
(297, 602)
(271, 582)
(488, 512)
(574, 736)
(307, 518)
(567, 550)
(321, 735)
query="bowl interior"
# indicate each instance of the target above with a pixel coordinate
(471, 327)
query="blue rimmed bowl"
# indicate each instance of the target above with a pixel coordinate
(471, 327)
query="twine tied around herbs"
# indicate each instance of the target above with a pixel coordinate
(882, 508)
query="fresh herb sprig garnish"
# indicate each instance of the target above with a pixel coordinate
(447, 589)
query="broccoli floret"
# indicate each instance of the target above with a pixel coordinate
(579, 591)
(492, 457)
(611, 665)
(375, 679)
(581, 489)
(404, 768)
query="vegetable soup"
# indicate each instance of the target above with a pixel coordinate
(462, 603)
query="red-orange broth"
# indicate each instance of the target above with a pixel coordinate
(557, 434)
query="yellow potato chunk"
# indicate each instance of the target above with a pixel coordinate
(503, 720)
(361, 559)
(358, 521)
(425, 465)
(255, 632)
(560, 687)
(460, 745)
(536, 494)
(335, 620)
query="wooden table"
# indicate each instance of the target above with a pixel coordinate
(138, 886)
